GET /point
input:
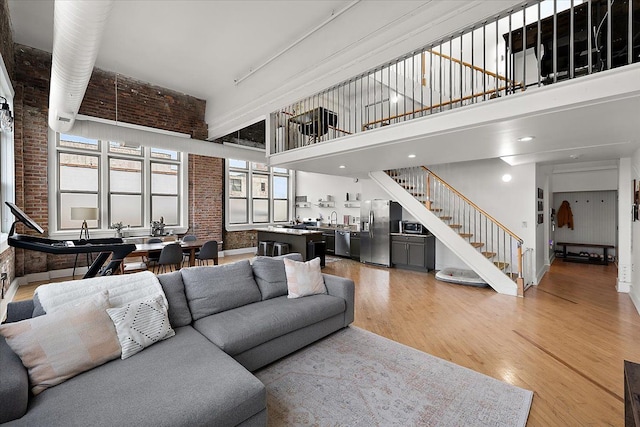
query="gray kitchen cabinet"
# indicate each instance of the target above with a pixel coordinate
(413, 252)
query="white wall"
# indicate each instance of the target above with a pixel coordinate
(566, 180)
(511, 203)
(318, 186)
(634, 275)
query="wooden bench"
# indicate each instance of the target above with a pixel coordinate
(591, 260)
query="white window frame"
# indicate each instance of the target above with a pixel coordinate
(104, 190)
(7, 163)
(250, 224)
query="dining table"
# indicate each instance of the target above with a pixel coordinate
(144, 249)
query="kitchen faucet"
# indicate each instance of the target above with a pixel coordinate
(331, 220)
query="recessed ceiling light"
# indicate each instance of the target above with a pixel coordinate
(342, 166)
(506, 177)
(411, 156)
(575, 156)
(526, 138)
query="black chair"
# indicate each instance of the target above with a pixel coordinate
(208, 251)
(152, 257)
(187, 252)
(171, 257)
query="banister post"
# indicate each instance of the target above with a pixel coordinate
(520, 279)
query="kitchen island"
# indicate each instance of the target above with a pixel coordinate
(296, 238)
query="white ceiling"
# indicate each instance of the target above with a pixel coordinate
(202, 47)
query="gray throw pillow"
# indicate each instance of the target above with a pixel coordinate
(211, 290)
(270, 276)
(179, 314)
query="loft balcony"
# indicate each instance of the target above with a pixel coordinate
(557, 66)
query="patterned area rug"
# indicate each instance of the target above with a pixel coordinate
(356, 378)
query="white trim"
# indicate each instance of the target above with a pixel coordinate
(7, 162)
(131, 126)
(636, 301)
(8, 297)
(541, 273)
(624, 288)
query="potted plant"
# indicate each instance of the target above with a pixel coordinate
(118, 226)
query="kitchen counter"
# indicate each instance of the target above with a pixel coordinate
(410, 235)
(289, 231)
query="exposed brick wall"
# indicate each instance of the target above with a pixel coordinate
(206, 199)
(138, 103)
(6, 38)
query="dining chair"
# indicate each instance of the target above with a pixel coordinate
(187, 252)
(152, 257)
(208, 251)
(170, 257)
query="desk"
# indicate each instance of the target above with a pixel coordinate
(143, 249)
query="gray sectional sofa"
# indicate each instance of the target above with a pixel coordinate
(229, 320)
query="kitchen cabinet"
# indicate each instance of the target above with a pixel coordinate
(355, 245)
(413, 252)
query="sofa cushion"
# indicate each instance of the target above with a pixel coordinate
(270, 274)
(183, 381)
(245, 327)
(173, 287)
(60, 345)
(211, 290)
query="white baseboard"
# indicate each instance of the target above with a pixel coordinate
(544, 270)
(623, 287)
(239, 251)
(8, 297)
(636, 301)
(53, 274)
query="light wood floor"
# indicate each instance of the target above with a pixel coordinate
(566, 340)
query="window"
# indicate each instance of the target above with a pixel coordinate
(129, 184)
(257, 194)
(7, 163)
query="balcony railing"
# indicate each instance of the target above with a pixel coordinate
(534, 45)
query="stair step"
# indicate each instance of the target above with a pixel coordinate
(455, 226)
(476, 244)
(488, 254)
(466, 235)
(446, 218)
(501, 265)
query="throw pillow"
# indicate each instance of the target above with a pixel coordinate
(141, 324)
(270, 277)
(304, 278)
(57, 346)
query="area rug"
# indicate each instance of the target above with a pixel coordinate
(356, 378)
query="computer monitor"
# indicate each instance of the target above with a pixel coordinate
(23, 218)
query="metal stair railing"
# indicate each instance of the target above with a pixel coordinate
(495, 241)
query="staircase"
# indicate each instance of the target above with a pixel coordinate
(486, 246)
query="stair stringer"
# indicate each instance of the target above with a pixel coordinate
(449, 237)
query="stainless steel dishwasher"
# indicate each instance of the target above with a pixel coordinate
(343, 242)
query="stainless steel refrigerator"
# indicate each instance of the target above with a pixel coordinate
(378, 218)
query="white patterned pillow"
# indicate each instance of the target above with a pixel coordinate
(141, 324)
